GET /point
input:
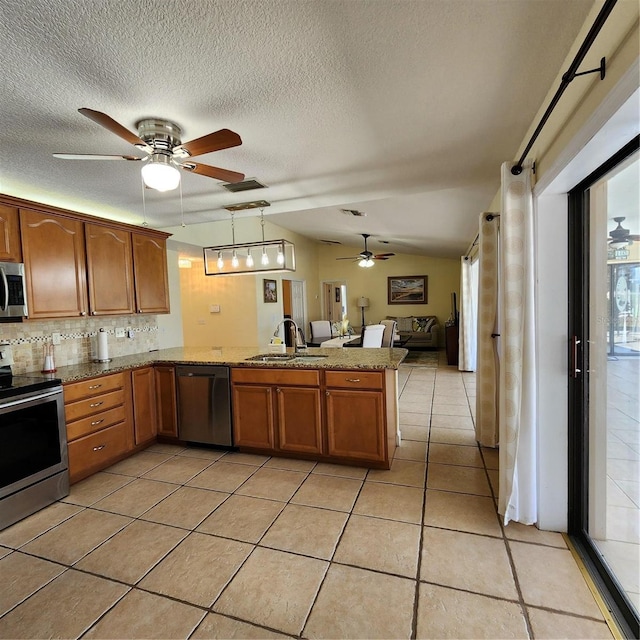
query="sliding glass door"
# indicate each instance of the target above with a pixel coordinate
(605, 378)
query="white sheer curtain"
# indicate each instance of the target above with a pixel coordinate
(517, 410)
(488, 363)
(468, 326)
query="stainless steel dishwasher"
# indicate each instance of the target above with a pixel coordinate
(204, 405)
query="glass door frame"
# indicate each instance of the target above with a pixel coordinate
(578, 516)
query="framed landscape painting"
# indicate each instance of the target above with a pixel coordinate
(407, 289)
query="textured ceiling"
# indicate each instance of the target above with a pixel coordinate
(403, 109)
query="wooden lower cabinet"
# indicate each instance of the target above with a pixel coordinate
(98, 418)
(282, 412)
(165, 378)
(253, 417)
(355, 424)
(277, 410)
(299, 419)
(143, 386)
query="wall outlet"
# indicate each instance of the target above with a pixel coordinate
(214, 308)
(119, 332)
(130, 333)
(55, 338)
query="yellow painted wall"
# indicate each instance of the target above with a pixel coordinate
(443, 278)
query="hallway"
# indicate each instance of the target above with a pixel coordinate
(191, 543)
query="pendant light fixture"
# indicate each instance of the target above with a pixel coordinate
(275, 255)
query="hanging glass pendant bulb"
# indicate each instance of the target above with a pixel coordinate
(249, 259)
(280, 258)
(265, 257)
(220, 262)
(234, 260)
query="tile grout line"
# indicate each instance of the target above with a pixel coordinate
(416, 597)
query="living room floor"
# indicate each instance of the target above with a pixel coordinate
(192, 543)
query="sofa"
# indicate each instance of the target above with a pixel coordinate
(421, 332)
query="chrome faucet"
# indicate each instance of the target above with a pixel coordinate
(293, 332)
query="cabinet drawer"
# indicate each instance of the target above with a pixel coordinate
(87, 388)
(355, 379)
(93, 406)
(91, 424)
(97, 450)
(297, 377)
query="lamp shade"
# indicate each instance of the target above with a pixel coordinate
(363, 303)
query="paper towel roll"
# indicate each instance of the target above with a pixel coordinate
(103, 345)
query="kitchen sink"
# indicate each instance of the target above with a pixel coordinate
(272, 357)
(286, 357)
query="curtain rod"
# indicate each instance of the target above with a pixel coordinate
(571, 73)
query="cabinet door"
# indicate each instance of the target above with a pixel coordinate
(54, 261)
(355, 424)
(109, 270)
(299, 419)
(166, 401)
(253, 416)
(150, 271)
(144, 404)
(10, 250)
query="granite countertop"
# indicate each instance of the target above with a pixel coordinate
(347, 358)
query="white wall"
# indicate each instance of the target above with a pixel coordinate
(170, 324)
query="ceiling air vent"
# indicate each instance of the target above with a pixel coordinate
(255, 204)
(353, 212)
(245, 185)
(330, 241)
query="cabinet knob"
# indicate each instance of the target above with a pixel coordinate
(93, 313)
(83, 313)
(327, 392)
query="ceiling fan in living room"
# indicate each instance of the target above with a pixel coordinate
(166, 153)
(620, 237)
(365, 258)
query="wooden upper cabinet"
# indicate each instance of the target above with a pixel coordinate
(54, 259)
(10, 250)
(150, 273)
(109, 270)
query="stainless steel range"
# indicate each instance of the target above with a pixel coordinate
(34, 470)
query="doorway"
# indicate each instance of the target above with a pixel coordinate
(293, 302)
(334, 300)
(604, 411)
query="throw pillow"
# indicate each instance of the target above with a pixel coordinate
(405, 324)
(419, 324)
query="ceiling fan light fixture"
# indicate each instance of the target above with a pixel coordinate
(366, 263)
(160, 173)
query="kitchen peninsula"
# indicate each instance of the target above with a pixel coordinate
(334, 405)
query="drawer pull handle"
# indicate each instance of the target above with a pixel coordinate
(352, 379)
(96, 404)
(100, 447)
(95, 422)
(95, 386)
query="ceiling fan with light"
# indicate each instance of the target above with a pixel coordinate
(621, 237)
(166, 153)
(366, 257)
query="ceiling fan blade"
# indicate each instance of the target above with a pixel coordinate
(223, 139)
(351, 258)
(383, 256)
(109, 123)
(212, 172)
(93, 156)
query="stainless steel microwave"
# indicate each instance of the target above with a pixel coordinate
(13, 294)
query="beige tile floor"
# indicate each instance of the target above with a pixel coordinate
(188, 543)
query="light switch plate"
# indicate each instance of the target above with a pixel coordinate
(119, 332)
(214, 308)
(55, 338)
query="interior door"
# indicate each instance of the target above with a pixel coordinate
(604, 302)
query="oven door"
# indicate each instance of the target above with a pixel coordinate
(33, 441)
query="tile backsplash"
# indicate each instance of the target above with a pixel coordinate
(78, 339)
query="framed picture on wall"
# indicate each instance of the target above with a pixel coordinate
(407, 290)
(337, 294)
(270, 290)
